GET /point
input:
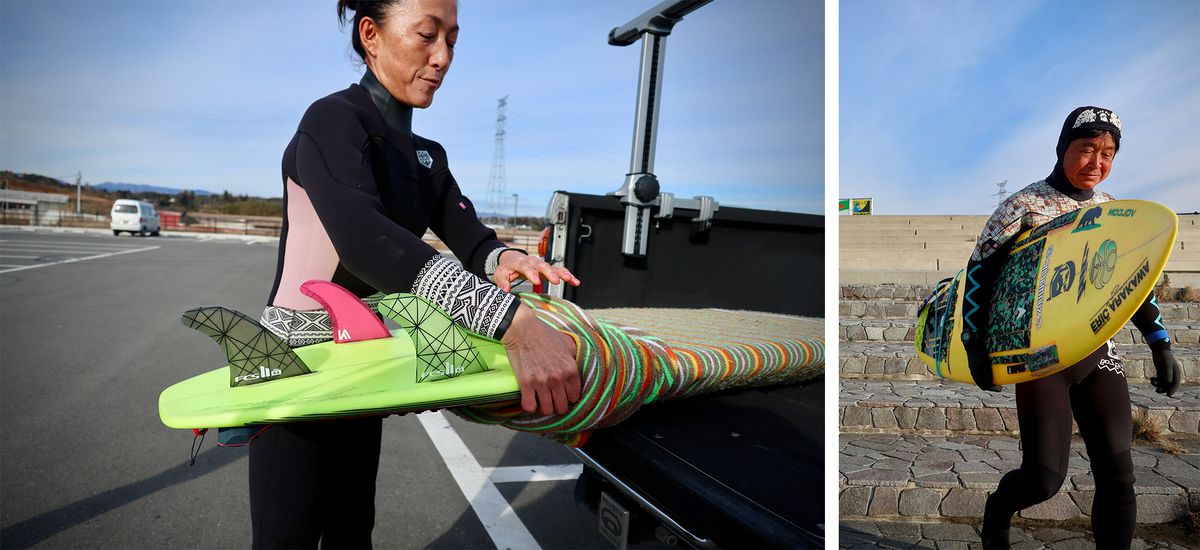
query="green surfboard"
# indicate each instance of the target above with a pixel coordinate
(428, 363)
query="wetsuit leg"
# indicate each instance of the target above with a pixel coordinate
(1101, 405)
(313, 482)
(1044, 415)
(348, 484)
(284, 474)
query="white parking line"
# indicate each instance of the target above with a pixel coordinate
(498, 518)
(60, 243)
(524, 474)
(51, 251)
(71, 260)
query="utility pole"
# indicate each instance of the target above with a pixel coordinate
(495, 192)
(514, 218)
(78, 192)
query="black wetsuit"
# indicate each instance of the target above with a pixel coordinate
(375, 188)
(1094, 390)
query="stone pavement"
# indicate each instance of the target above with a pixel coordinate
(904, 331)
(898, 361)
(939, 407)
(918, 457)
(866, 534)
(914, 477)
(906, 308)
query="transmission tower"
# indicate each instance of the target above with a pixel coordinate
(1001, 194)
(495, 193)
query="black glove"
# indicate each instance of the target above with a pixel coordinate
(1169, 374)
(979, 362)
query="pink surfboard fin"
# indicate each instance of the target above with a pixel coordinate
(352, 320)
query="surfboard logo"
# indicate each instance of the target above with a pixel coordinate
(344, 334)
(452, 370)
(1082, 279)
(1041, 286)
(1120, 293)
(1087, 221)
(1064, 277)
(425, 159)
(263, 374)
(1103, 264)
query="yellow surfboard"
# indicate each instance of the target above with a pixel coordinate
(1066, 287)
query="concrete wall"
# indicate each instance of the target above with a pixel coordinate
(925, 249)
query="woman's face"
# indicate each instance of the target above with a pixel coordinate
(1088, 160)
(412, 50)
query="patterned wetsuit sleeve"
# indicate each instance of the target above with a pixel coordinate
(333, 167)
(1004, 224)
(983, 269)
(1148, 320)
(456, 222)
(471, 301)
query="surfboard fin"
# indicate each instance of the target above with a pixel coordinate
(352, 320)
(255, 354)
(443, 349)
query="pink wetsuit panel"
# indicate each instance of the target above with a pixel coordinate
(310, 254)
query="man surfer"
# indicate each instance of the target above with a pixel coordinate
(1094, 389)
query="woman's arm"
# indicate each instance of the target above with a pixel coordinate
(979, 283)
(455, 221)
(1168, 374)
(475, 244)
(333, 166)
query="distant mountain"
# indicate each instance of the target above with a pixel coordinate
(139, 188)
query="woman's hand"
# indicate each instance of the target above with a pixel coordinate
(544, 361)
(514, 265)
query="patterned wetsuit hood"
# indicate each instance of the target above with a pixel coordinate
(1080, 123)
(397, 115)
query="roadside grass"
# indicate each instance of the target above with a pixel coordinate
(1147, 431)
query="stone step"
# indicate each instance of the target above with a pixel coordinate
(904, 331)
(885, 275)
(882, 239)
(869, 533)
(906, 291)
(890, 361)
(909, 476)
(905, 308)
(881, 291)
(927, 407)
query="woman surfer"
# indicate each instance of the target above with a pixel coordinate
(360, 189)
(1094, 389)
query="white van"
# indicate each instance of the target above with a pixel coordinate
(138, 217)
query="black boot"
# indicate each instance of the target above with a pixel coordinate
(994, 534)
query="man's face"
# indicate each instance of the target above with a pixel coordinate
(1088, 160)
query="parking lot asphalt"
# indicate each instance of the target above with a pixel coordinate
(90, 335)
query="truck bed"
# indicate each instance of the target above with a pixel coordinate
(741, 468)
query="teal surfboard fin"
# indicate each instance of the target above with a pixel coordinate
(255, 354)
(443, 349)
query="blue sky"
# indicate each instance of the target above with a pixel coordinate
(206, 94)
(942, 100)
